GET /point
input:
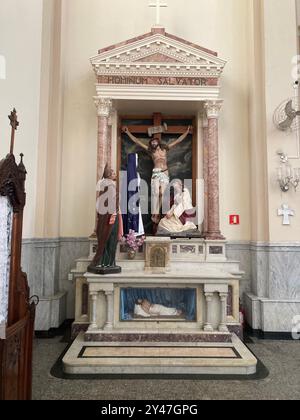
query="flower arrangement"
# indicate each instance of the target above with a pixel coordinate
(132, 241)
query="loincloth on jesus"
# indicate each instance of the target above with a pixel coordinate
(160, 175)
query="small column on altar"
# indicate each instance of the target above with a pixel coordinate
(209, 299)
(104, 107)
(213, 225)
(109, 310)
(223, 300)
(93, 320)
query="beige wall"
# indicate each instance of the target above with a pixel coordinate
(280, 47)
(20, 43)
(48, 201)
(59, 127)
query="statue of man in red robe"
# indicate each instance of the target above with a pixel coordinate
(109, 226)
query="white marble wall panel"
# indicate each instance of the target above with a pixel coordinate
(47, 263)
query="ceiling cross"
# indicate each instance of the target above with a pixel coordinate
(157, 4)
(14, 126)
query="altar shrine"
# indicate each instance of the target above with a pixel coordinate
(185, 282)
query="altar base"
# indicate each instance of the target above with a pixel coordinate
(202, 339)
(130, 358)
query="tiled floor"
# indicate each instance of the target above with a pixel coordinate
(282, 358)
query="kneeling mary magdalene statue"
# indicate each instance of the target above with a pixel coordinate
(109, 225)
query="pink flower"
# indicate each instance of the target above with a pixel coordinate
(132, 241)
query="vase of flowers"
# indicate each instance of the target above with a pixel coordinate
(131, 253)
(133, 243)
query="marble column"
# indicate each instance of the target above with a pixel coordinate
(104, 106)
(109, 310)
(94, 299)
(205, 175)
(208, 325)
(223, 324)
(212, 109)
(109, 142)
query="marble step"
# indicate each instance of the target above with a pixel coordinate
(158, 336)
(137, 358)
(231, 267)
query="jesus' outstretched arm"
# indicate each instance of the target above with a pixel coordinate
(134, 139)
(181, 138)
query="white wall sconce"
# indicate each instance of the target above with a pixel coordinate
(287, 176)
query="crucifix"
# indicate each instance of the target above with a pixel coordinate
(286, 212)
(14, 126)
(158, 4)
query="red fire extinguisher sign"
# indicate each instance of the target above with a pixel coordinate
(234, 219)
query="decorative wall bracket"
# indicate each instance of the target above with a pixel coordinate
(287, 176)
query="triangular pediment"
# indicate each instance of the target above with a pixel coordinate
(157, 54)
(157, 58)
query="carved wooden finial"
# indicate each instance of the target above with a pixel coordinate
(14, 126)
(21, 165)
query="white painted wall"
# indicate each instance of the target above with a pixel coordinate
(20, 44)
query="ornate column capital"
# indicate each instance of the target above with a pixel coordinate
(104, 106)
(213, 108)
(209, 296)
(223, 297)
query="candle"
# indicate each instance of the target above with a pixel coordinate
(289, 171)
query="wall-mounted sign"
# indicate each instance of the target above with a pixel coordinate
(234, 219)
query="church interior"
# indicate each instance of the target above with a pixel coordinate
(149, 200)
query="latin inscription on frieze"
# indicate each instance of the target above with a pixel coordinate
(160, 81)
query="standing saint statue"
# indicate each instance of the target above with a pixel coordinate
(109, 226)
(160, 176)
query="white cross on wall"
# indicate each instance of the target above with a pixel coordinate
(286, 212)
(158, 4)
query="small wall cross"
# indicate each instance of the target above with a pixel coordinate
(286, 212)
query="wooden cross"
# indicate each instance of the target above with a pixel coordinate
(14, 126)
(286, 212)
(158, 4)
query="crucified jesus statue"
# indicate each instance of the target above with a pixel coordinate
(160, 176)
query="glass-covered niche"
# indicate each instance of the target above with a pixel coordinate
(155, 303)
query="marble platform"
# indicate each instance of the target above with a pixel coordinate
(204, 343)
(232, 358)
(191, 261)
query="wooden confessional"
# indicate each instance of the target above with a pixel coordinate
(16, 347)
